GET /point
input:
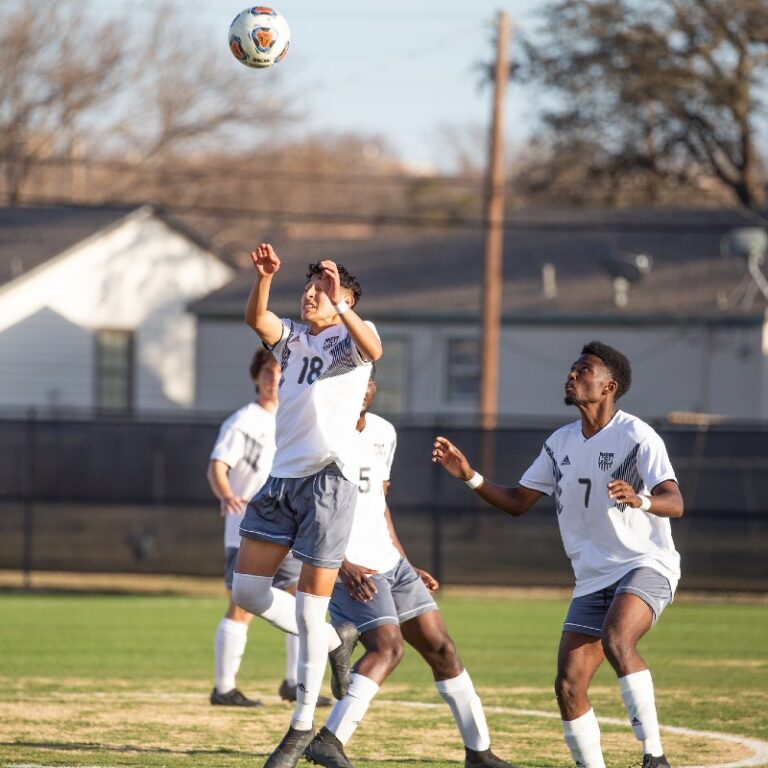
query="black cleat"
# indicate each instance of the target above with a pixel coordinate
(287, 692)
(485, 758)
(290, 749)
(340, 660)
(325, 749)
(232, 698)
(649, 761)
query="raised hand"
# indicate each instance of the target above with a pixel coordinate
(330, 282)
(448, 456)
(265, 260)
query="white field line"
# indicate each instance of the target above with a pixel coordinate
(758, 747)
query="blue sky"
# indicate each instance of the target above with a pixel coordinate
(369, 68)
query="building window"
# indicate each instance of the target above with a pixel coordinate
(463, 371)
(113, 374)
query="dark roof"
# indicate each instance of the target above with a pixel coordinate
(441, 275)
(31, 235)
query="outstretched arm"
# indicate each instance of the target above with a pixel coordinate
(514, 501)
(266, 323)
(362, 334)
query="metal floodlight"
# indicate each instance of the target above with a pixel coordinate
(749, 243)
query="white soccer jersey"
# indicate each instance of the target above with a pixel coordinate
(322, 388)
(603, 539)
(246, 444)
(370, 544)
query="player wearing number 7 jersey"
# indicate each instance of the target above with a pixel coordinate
(307, 504)
(615, 491)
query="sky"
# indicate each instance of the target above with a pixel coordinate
(410, 73)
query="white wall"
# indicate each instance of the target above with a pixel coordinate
(139, 276)
(712, 369)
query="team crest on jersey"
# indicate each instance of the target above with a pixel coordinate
(605, 461)
(331, 341)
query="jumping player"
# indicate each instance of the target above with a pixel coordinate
(307, 504)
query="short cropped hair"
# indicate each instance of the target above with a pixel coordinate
(260, 359)
(618, 365)
(346, 279)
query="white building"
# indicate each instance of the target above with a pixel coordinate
(93, 308)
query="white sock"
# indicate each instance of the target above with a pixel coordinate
(467, 710)
(582, 736)
(637, 693)
(313, 655)
(228, 648)
(256, 595)
(348, 713)
(291, 658)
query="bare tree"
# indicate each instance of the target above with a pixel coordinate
(47, 86)
(654, 94)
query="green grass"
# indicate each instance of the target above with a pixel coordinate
(123, 680)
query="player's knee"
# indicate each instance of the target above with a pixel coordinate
(252, 593)
(386, 645)
(618, 647)
(568, 689)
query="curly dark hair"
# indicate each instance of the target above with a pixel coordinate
(615, 362)
(346, 279)
(261, 357)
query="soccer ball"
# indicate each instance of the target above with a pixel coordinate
(259, 37)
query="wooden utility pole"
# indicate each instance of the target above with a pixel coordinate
(494, 238)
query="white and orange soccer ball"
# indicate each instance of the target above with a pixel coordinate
(259, 37)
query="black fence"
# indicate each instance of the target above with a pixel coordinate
(117, 495)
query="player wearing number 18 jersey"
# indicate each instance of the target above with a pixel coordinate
(615, 491)
(308, 501)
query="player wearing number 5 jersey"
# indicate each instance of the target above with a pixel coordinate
(389, 601)
(615, 491)
(308, 501)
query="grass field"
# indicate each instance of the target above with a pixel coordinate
(123, 680)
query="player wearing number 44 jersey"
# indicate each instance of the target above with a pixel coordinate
(615, 491)
(239, 465)
(307, 503)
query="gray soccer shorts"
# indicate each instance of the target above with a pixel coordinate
(312, 515)
(400, 595)
(586, 614)
(287, 574)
